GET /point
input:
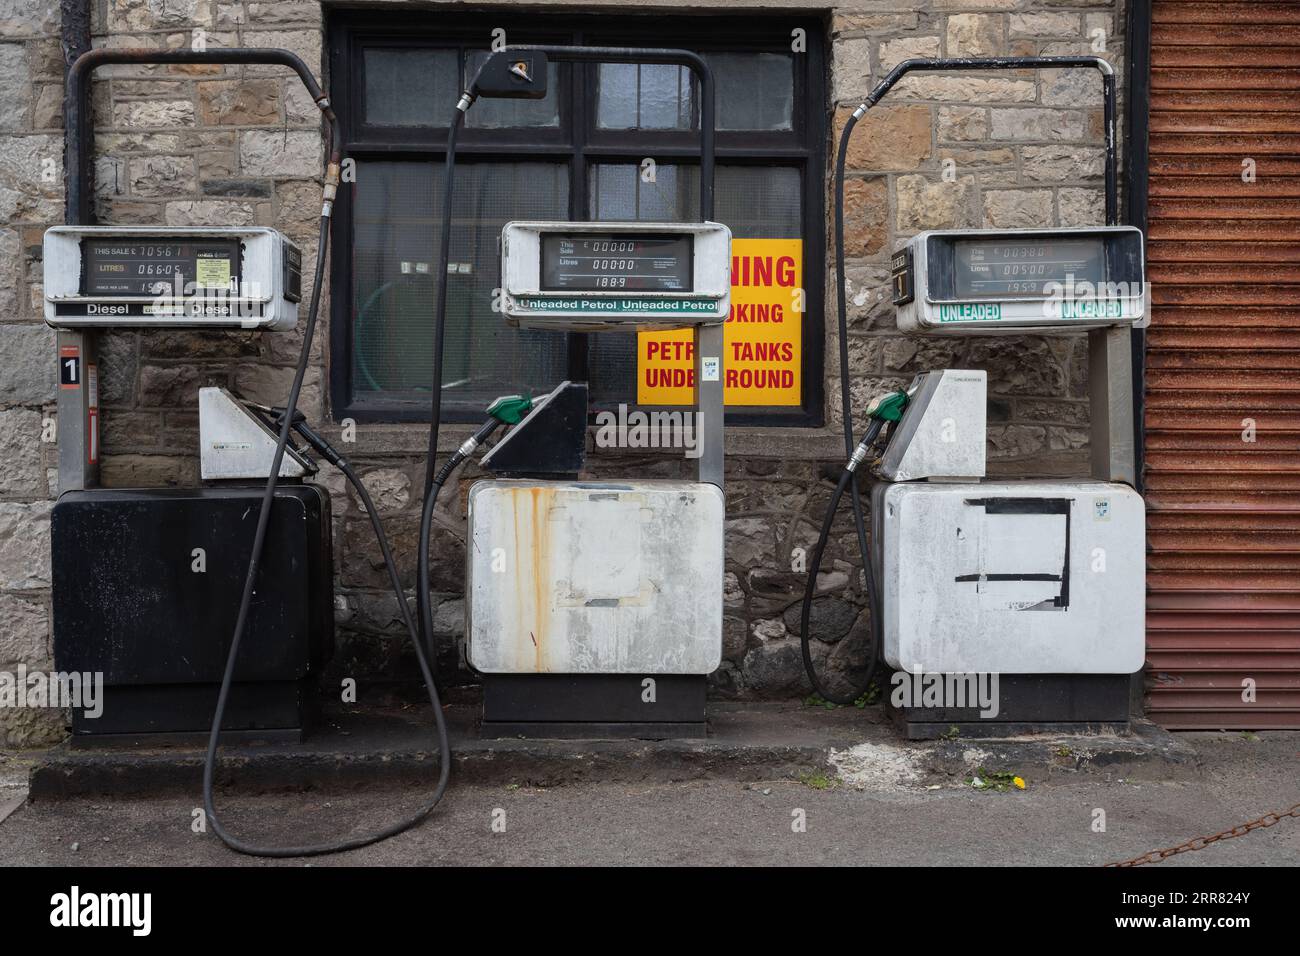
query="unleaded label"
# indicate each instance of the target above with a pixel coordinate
(618, 306)
(971, 312)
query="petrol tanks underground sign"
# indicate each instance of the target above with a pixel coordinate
(761, 339)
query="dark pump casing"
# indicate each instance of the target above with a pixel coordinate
(551, 442)
(131, 602)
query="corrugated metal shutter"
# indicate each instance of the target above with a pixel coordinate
(1224, 347)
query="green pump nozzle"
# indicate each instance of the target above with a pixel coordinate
(504, 410)
(510, 409)
(883, 408)
(888, 407)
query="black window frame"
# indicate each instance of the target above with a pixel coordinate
(803, 146)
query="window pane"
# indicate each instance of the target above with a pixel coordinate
(756, 202)
(407, 87)
(397, 215)
(754, 91)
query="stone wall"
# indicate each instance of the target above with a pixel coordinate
(186, 145)
(31, 197)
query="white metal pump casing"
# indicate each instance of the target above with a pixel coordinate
(234, 444)
(1110, 290)
(1012, 577)
(529, 302)
(578, 577)
(266, 267)
(942, 431)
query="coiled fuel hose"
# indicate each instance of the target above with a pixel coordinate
(887, 408)
(419, 627)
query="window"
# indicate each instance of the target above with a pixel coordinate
(576, 154)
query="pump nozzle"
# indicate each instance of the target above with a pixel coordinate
(510, 409)
(883, 408)
(887, 407)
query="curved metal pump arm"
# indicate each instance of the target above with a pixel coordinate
(77, 170)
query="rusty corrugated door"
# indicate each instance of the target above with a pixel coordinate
(1223, 354)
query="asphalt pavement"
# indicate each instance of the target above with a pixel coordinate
(871, 812)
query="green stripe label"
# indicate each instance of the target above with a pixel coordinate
(618, 305)
(971, 312)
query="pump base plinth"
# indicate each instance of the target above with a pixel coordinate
(181, 714)
(1026, 704)
(569, 706)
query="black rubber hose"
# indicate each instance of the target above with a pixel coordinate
(421, 630)
(846, 415)
(810, 589)
(259, 541)
(422, 603)
(842, 317)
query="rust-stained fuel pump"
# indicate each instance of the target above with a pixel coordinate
(573, 613)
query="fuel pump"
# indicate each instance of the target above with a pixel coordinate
(574, 616)
(127, 600)
(1039, 582)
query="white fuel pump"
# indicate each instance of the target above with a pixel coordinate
(575, 586)
(1040, 582)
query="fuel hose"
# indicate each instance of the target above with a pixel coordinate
(847, 480)
(847, 477)
(420, 629)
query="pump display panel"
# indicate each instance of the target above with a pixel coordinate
(988, 280)
(1011, 267)
(607, 261)
(122, 267)
(247, 277)
(594, 276)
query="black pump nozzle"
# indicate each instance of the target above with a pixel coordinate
(506, 74)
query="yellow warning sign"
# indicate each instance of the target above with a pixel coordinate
(762, 337)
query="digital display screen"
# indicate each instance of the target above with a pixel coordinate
(1008, 267)
(599, 262)
(128, 267)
